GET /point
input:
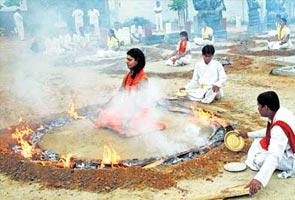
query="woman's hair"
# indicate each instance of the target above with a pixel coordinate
(208, 50)
(140, 59)
(269, 98)
(184, 34)
(112, 33)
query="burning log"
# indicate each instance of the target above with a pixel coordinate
(58, 164)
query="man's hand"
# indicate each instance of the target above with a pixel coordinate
(215, 88)
(244, 134)
(254, 186)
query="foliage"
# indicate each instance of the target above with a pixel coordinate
(178, 5)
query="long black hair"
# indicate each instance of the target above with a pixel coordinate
(138, 55)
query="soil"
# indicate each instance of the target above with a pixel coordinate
(248, 75)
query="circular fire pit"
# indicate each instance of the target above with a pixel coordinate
(61, 135)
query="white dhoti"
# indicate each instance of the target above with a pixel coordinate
(179, 62)
(20, 30)
(275, 45)
(203, 42)
(257, 155)
(204, 95)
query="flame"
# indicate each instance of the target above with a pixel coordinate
(72, 112)
(110, 157)
(209, 115)
(21, 135)
(66, 161)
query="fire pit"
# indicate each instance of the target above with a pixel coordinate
(72, 141)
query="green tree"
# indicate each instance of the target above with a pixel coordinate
(180, 6)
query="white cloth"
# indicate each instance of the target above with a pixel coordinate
(204, 77)
(279, 154)
(93, 15)
(136, 32)
(185, 60)
(78, 17)
(19, 25)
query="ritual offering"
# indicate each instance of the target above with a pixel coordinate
(233, 141)
(181, 93)
(235, 167)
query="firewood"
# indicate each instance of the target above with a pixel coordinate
(235, 191)
(155, 164)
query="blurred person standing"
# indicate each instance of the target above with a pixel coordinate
(93, 15)
(19, 24)
(78, 17)
(158, 14)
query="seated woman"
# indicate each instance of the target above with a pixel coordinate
(128, 112)
(181, 56)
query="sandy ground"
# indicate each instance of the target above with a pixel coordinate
(31, 88)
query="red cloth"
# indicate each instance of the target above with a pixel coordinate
(182, 47)
(264, 142)
(127, 120)
(131, 84)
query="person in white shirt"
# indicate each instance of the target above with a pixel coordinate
(282, 38)
(19, 24)
(158, 14)
(136, 32)
(182, 55)
(78, 17)
(208, 78)
(207, 36)
(273, 147)
(93, 15)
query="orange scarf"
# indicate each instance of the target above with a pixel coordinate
(132, 84)
(264, 142)
(182, 47)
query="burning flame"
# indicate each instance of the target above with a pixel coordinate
(208, 115)
(21, 135)
(110, 157)
(72, 112)
(66, 161)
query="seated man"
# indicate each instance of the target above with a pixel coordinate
(207, 36)
(273, 33)
(136, 32)
(208, 78)
(181, 56)
(274, 147)
(282, 38)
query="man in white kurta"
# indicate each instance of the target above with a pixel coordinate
(19, 24)
(208, 78)
(78, 17)
(277, 153)
(93, 15)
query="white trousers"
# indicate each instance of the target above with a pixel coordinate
(159, 22)
(275, 45)
(179, 62)
(256, 157)
(20, 30)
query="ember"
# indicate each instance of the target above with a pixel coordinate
(67, 161)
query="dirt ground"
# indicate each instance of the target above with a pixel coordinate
(32, 87)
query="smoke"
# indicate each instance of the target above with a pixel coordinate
(137, 113)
